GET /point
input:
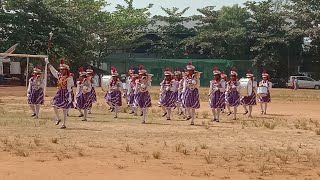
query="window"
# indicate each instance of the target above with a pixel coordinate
(301, 78)
(309, 79)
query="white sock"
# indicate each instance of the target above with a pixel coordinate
(85, 114)
(79, 111)
(193, 114)
(56, 112)
(144, 110)
(265, 108)
(116, 110)
(218, 114)
(65, 112)
(189, 112)
(213, 113)
(169, 113)
(33, 109)
(235, 112)
(250, 110)
(37, 110)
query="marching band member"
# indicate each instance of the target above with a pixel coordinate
(35, 91)
(191, 93)
(177, 86)
(84, 98)
(130, 92)
(216, 94)
(143, 99)
(63, 98)
(233, 97)
(225, 78)
(166, 101)
(250, 100)
(90, 76)
(113, 96)
(182, 93)
(267, 99)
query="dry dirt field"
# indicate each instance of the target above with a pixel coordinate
(285, 144)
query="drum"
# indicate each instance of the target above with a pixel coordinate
(245, 87)
(262, 91)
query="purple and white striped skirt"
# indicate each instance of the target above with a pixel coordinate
(166, 99)
(84, 101)
(217, 100)
(233, 99)
(114, 98)
(94, 94)
(249, 100)
(61, 100)
(36, 97)
(130, 98)
(191, 99)
(266, 99)
(143, 99)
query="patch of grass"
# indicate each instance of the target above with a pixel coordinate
(128, 148)
(36, 141)
(205, 114)
(226, 158)
(269, 125)
(156, 155)
(119, 166)
(22, 153)
(179, 147)
(209, 158)
(185, 152)
(54, 140)
(203, 146)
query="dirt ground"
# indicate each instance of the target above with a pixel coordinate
(285, 144)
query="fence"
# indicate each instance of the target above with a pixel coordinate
(157, 66)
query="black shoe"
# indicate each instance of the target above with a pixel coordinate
(68, 115)
(115, 117)
(58, 122)
(188, 118)
(141, 114)
(131, 112)
(217, 120)
(81, 115)
(84, 120)
(33, 115)
(246, 113)
(164, 114)
(168, 119)
(112, 110)
(181, 113)
(229, 113)
(63, 127)
(192, 123)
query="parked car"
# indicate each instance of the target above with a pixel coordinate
(304, 82)
(278, 82)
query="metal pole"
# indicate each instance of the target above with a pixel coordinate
(27, 72)
(45, 79)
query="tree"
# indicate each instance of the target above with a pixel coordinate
(172, 32)
(221, 34)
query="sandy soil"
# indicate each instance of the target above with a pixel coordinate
(281, 145)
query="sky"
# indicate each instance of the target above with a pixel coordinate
(181, 4)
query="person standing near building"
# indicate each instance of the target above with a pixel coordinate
(35, 91)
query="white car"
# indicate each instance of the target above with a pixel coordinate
(304, 82)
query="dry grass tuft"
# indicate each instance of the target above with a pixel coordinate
(185, 151)
(203, 146)
(179, 147)
(317, 131)
(119, 166)
(36, 141)
(80, 153)
(209, 158)
(128, 148)
(269, 125)
(22, 153)
(205, 114)
(54, 140)
(156, 155)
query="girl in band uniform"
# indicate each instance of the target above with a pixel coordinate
(113, 96)
(250, 100)
(216, 94)
(267, 99)
(166, 101)
(233, 96)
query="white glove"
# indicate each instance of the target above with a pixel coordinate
(216, 89)
(28, 95)
(46, 60)
(233, 86)
(194, 82)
